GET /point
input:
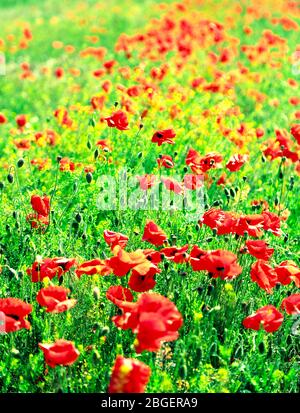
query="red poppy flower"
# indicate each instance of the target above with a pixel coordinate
(50, 267)
(236, 162)
(3, 118)
(124, 261)
(65, 164)
(146, 181)
(154, 234)
(154, 318)
(219, 263)
(176, 254)
(92, 267)
(153, 255)
(210, 161)
(62, 353)
(21, 120)
(295, 131)
(129, 376)
(166, 161)
(222, 221)
(291, 304)
(264, 275)
(55, 299)
(59, 72)
(163, 136)
(193, 182)
(117, 120)
(104, 145)
(251, 224)
(15, 312)
(259, 249)
(271, 223)
(142, 276)
(118, 295)
(41, 205)
(268, 317)
(115, 238)
(287, 271)
(172, 185)
(193, 159)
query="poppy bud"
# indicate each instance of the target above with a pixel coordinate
(78, 218)
(59, 158)
(245, 178)
(105, 330)
(96, 154)
(214, 232)
(175, 154)
(75, 225)
(15, 214)
(227, 193)
(141, 126)
(89, 145)
(200, 290)
(166, 265)
(116, 104)
(232, 193)
(183, 371)
(197, 227)
(89, 177)
(263, 159)
(20, 163)
(209, 239)
(10, 178)
(261, 347)
(286, 237)
(216, 203)
(276, 201)
(185, 169)
(1, 185)
(84, 236)
(140, 154)
(61, 280)
(92, 122)
(183, 273)
(292, 182)
(210, 289)
(280, 175)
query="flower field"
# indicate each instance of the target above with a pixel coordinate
(149, 187)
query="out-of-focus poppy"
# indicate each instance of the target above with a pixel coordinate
(15, 314)
(55, 299)
(295, 131)
(21, 121)
(3, 118)
(129, 376)
(60, 353)
(268, 317)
